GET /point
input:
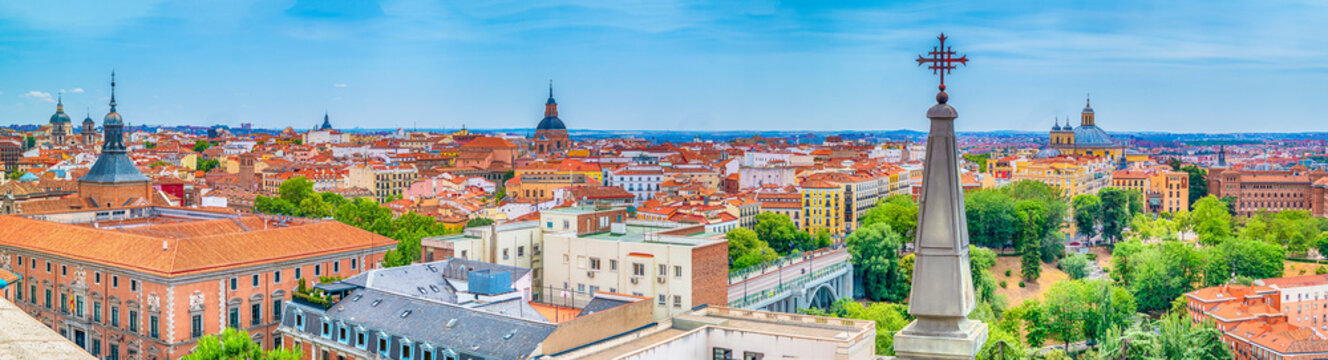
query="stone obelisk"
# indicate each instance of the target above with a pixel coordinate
(942, 294)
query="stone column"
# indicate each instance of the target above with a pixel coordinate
(942, 293)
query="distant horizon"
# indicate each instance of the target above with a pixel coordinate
(1181, 67)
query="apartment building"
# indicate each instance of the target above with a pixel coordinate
(384, 180)
(147, 282)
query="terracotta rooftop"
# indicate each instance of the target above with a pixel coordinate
(1295, 281)
(168, 241)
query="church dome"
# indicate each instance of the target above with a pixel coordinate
(87, 121)
(60, 116)
(112, 118)
(551, 123)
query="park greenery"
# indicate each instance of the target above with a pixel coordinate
(296, 197)
(236, 344)
(774, 235)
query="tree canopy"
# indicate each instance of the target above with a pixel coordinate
(875, 252)
(236, 344)
(898, 211)
(782, 234)
(747, 250)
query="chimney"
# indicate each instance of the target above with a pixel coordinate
(164, 245)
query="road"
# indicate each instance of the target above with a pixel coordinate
(757, 283)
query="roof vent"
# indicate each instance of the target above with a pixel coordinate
(164, 246)
(509, 335)
(451, 323)
(375, 303)
(406, 313)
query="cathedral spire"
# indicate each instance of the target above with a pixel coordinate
(550, 107)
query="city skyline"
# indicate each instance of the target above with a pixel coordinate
(1176, 67)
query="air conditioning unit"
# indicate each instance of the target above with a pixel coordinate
(636, 279)
(590, 273)
(661, 278)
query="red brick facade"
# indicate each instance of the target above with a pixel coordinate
(710, 274)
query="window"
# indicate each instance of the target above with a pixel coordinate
(255, 280)
(336, 266)
(234, 317)
(663, 300)
(613, 265)
(638, 269)
(663, 270)
(594, 263)
(64, 303)
(152, 326)
(748, 355)
(341, 335)
(405, 351)
(96, 347)
(382, 344)
(723, 354)
(48, 267)
(48, 298)
(133, 321)
(96, 311)
(78, 305)
(18, 291)
(113, 353)
(133, 285)
(677, 300)
(463, 256)
(196, 325)
(115, 317)
(318, 270)
(255, 314)
(520, 251)
(297, 274)
(353, 263)
(276, 277)
(115, 281)
(96, 276)
(64, 270)
(359, 340)
(327, 329)
(505, 256)
(299, 320)
(565, 259)
(677, 271)
(276, 310)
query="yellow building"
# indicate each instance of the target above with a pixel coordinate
(1164, 190)
(1074, 175)
(822, 207)
(566, 167)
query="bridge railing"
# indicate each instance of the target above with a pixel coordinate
(776, 264)
(787, 286)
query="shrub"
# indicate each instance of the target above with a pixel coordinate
(1007, 273)
(1092, 256)
(1302, 271)
(1003, 284)
(1321, 270)
(1021, 284)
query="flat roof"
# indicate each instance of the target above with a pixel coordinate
(647, 233)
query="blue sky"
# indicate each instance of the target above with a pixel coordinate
(1181, 66)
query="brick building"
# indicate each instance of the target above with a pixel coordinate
(146, 282)
(1281, 318)
(1273, 190)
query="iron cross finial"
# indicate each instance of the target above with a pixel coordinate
(941, 62)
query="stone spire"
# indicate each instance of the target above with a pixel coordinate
(1222, 155)
(550, 107)
(942, 294)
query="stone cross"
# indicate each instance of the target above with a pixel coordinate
(942, 293)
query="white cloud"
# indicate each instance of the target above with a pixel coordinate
(43, 96)
(339, 85)
(76, 91)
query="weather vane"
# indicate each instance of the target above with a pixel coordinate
(942, 60)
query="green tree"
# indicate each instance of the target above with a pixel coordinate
(1084, 310)
(314, 207)
(201, 145)
(980, 159)
(1031, 216)
(746, 250)
(1121, 254)
(1212, 222)
(1087, 209)
(236, 344)
(206, 165)
(1242, 258)
(1115, 213)
(875, 255)
(898, 211)
(1076, 265)
(1162, 272)
(1198, 182)
(479, 221)
(1051, 197)
(29, 142)
(889, 318)
(979, 267)
(992, 221)
(274, 206)
(780, 232)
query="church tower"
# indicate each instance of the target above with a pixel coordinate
(550, 134)
(60, 124)
(89, 131)
(114, 180)
(1087, 115)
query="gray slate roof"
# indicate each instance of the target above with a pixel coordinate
(475, 332)
(1091, 135)
(600, 304)
(114, 167)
